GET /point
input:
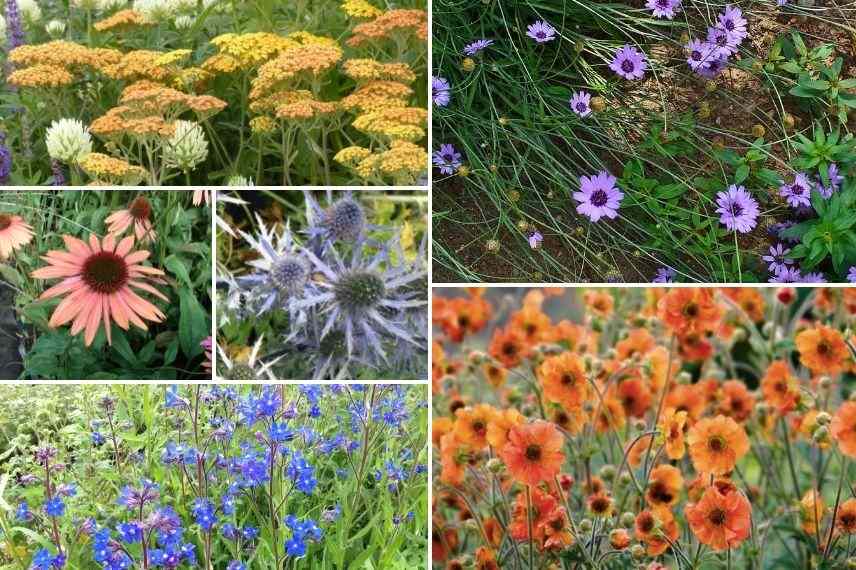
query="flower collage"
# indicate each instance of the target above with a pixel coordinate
(427, 284)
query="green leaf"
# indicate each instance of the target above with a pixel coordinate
(192, 324)
(120, 345)
(847, 83)
(741, 174)
(801, 91)
(177, 266)
(11, 275)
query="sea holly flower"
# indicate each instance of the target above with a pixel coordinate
(598, 196)
(629, 63)
(98, 281)
(343, 220)
(477, 46)
(441, 91)
(14, 234)
(664, 8)
(737, 210)
(798, 193)
(581, 103)
(541, 31)
(776, 257)
(447, 159)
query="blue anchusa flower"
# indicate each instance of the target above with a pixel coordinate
(97, 438)
(302, 473)
(44, 560)
(23, 512)
(55, 507)
(109, 553)
(253, 471)
(135, 498)
(173, 400)
(129, 532)
(280, 433)
(204, 514)
(301, 530)
(236, 565)
(250, 532)
(67, 490)
(332, 514)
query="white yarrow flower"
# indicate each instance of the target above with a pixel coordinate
(158, 10)
(238, 180)
(187, 147)
(184, 22)
(68, 140)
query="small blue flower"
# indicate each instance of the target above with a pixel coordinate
(23, 512)
(55, 507)
(250, 532)
(129, 532)
(235, 565)
(97, 438)
(203, 512)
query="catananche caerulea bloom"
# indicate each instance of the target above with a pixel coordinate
(629, 63)
(664, 8)
(441, 91)
(851, 274)
(737, 210)
(798, 193)
(476, 46)
(581, 103)
(447, 159)
(598, 196)
(541, 32)
(665, 275)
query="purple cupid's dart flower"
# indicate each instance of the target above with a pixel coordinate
(629, 63)
(664, 8)
(581, 103)
(541, 32)
(441, 91)
(776, 258)
(723, 44)
(447, 159)
(700, 54)
(477, 46)
(598, 196)
(851, 275)
(738, 210)
(535, 239)
(665, 275)
(733, 23)
(799, 193)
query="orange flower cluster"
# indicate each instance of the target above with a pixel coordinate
(121, 21)
(605, 388)
(391, 25)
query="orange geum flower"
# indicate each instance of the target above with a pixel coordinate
(600, 303)
(672, 426)
(635, 396)
(138, 214)
(811, 511)
(572, 422)
(564, 380)
(694, 347)
(532, 322)
(542, 506)
(619, 538)
(495, 375)
(508, 346)
(98, 281)
(657, 528)
(638, 342)
(637, 448)
(611, 415)
(533, 452)
(600, 504)
(557, 530)
(14, 233)
(716, 444)
(843, 428)
(780, 388)
(688, 398)
(569, 334)
(493, 531)
(735, 400)
(690, 310)
(454, 457)
(822, 350)
(501, 424)
(664, 486)
(471, 424)
(486, 559)
(845, 519)
(721, 520)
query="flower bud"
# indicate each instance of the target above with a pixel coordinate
(597, 104)
(758, 131)
(607, 472)
(503, 121)
(823, 418)
(788, 121)
(492, 245)
(585, 525)
(624, 479)
(468, 64)
(619, 539)
(627, 519)
(471, 525)
(821, 435)
(825, 382)
(637, 551)
(463, 170)
(477, 357)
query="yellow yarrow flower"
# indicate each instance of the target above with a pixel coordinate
(368, 69)
(360, 9)
(105, 168)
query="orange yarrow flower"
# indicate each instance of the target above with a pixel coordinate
(99, 279)
(716, 444)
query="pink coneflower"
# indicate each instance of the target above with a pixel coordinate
(200, 196)
(14, 233)
(98, 279)
(138, 213)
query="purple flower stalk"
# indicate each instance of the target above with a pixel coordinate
(447, 159)
(477, 46)
(441, 91)
(581, 103)
(664, 8)
(629, 63)
(776, 258)
(598, 197)
(541, 32)
(58, 174)
(5, 160)
(665, 275)
(535, 239)
(14, 27)
(799, 192)
(738, 210)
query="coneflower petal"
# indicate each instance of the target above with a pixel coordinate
(109, 243)
(76, 246)
(122, 297)
(63, 257)
(93, 321)
(105, 314)
(136, 257)
(124, 246)
(94, 243)
(54, 272)
(117, 308)
(68, 308)
(143, 307)
(135, 270)
(149, 288)
(86, 304)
